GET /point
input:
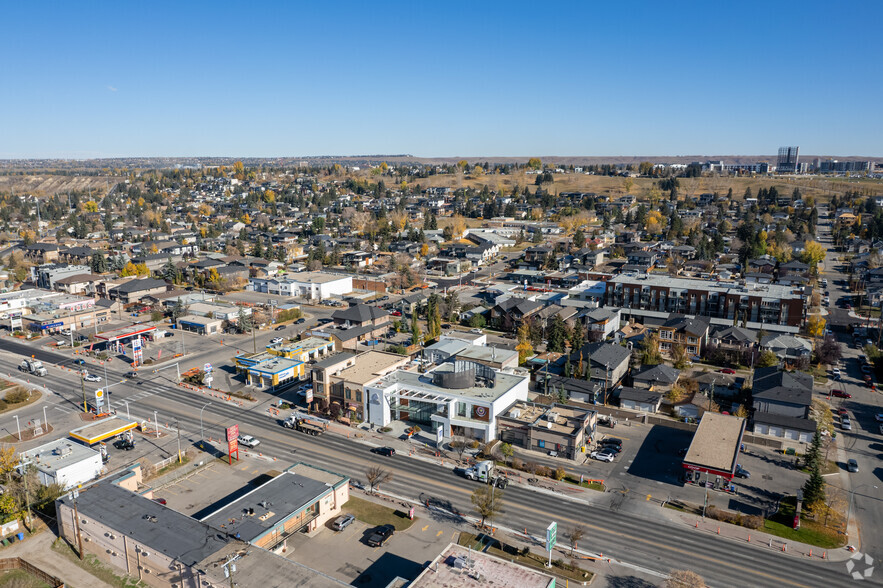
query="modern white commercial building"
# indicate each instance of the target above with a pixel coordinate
(463, 397)
(64, 462)
(310, 285)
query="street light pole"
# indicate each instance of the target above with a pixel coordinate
(156, 423)
(178, 428)
(17, 426)
(201, 429)
(126, 402)
(45, 420)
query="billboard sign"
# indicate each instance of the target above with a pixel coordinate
(233, 442)
(551, 536)
(439, 436)
(308, 395)
(51, 325)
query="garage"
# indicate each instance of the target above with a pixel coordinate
(776, 431)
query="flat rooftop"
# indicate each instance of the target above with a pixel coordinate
(268, 505)
(314, 278)
(275, 365)
(58, 455)
(335, 359)
(122, 332)
(479, 569)
(761, 290)
(191, 319)
(563, 419)
(103, 429)
(488, 353)
(423, 382)
(370, 365)
(716, 442)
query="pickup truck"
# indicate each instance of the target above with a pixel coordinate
(299, 423)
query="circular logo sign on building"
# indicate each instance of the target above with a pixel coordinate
(480, 411)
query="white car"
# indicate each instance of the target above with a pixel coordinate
(275, 340)
(836, 373)
(603, 455)
(92, 378)
(248, 441)
(476, 331)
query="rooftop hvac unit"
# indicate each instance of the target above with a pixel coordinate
(515, 413)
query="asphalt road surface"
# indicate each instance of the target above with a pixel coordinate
(656, 545)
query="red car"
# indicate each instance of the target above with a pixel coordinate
(727, 371)
(841, 394)
(396, 313)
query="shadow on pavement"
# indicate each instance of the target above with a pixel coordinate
(385, 569)
(657, 458)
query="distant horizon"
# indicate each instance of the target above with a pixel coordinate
(418, 158)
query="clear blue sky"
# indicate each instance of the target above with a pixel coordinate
(89, 79)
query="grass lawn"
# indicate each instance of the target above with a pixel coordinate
(591, 485)
(531, 559)
(377, 514)
(21, 579)
(810, 532)
(96, 568)
(828, 467)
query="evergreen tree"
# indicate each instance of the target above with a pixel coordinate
(557, 335)
(579, 239)
(577, 337)
(169, 272)
(98, 265)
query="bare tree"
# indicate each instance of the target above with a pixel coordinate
(684, 579)
(575, 535)
(459, 444)
(488, 502)
(376, 476)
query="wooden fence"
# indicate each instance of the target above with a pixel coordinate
(16, 563)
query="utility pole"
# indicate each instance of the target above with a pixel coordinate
(74, 494)
(254, 341)
(178, 427)
(83, 386)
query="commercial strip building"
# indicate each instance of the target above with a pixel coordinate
(770, 304)
(300, 499)
(264, 370)
(463, 397)
(310, 285)
(64, 463)
(714, 451)
(305, 350)
(162, 547)
(566, 430)
(201, 325)
(347, 385)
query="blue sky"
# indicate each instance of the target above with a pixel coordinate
(439, 78)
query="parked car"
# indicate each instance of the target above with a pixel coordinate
(92, 378)
(852, 466)
(276, 340)
(836, 373)
(727, 371)
(866, 368)
(280, 328)
(869, 382)
(611, 441)
(124, 444)
(603, 455)
(248, 441)
(381, 535)
(387, 451)
(300, 321)
(342, 522)
(161, 501)
(840, 393)
(446, 326)
(846, 424)
(741, 472)
(476, 331)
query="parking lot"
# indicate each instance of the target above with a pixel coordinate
(347, 556)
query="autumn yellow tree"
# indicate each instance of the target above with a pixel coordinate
(458, 224)
(534, 163)
(477, 171)
(90, 206)
(130, 269)
(654, 222)
(813, 253)
(815, 326)
(398, 219)
(524, 347)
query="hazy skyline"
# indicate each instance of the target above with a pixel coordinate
(439, 80)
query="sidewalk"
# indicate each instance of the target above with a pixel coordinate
(37, 550)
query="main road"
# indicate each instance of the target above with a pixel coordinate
(652, 544)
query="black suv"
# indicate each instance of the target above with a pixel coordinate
(387, 451)
(124, 444)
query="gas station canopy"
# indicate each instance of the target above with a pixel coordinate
(102, 430)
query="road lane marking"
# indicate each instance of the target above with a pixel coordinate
(439, 534)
